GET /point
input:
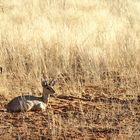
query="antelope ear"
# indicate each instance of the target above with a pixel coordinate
(44, 82)
(52, 82)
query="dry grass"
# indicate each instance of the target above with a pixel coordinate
(91, 47)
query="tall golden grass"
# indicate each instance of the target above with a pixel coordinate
(78, 42)
(77, 38)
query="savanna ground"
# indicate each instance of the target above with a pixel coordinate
(91, 48)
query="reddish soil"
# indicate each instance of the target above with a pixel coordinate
(68, 117)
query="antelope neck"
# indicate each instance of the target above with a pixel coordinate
(45, 96)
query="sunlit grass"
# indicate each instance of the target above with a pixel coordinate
(76, 42)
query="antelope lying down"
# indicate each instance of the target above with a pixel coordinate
(32, 103)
